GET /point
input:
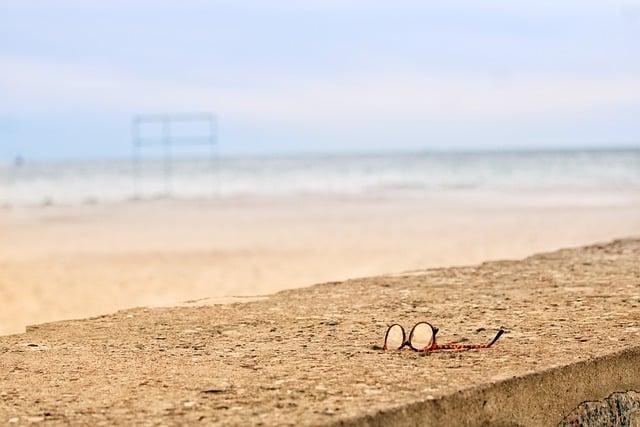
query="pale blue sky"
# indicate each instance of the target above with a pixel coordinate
(321, 75)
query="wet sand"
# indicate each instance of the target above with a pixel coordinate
(71, 262)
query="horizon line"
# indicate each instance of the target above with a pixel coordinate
(332, 153)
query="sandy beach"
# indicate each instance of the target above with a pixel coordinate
(70, 262)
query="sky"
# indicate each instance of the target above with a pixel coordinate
(321, 75)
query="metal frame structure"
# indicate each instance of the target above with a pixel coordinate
(167, 140)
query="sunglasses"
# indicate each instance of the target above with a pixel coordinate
(423, 338)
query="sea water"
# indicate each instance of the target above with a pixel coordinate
(37, 183)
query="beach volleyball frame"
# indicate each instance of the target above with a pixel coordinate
(167, 134)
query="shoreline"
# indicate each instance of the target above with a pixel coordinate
(568, 196)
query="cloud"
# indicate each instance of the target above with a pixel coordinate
(39, 87)
(332, 4)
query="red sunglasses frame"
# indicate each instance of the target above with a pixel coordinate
(433, 345)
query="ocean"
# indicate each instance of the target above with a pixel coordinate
(39, 183)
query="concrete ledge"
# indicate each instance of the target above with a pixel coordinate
(551, 397)
(312, 357)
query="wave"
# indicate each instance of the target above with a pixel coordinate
(102, 181)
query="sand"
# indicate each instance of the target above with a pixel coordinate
(70, 262)
(311, 356)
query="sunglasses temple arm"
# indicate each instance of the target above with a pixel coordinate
(460, 346)
(498, 335)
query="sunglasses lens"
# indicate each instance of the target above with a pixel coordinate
(394, 338)
(421, 336)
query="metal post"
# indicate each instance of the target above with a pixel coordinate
(135, 135)
(166, 141)
(215, 164)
